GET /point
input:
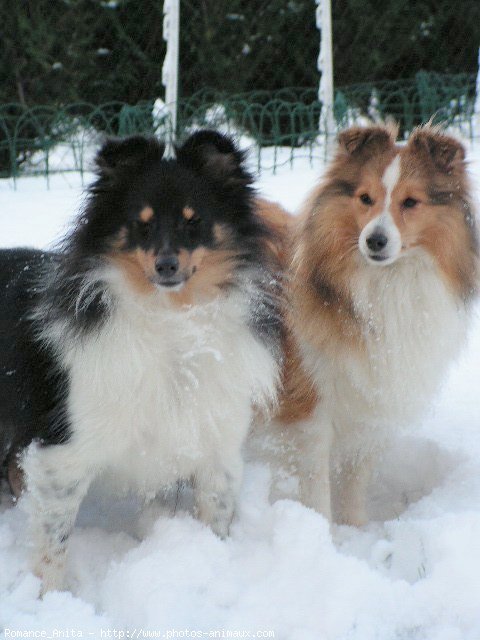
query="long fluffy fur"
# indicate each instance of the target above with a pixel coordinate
(373, 340)
(141, 348)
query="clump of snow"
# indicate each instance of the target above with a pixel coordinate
(413, 573)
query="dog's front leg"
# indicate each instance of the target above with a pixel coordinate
(354, 478)
(216, 487)
(55, 486)
(314, 450)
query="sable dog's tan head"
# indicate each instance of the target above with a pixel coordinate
(380, 202)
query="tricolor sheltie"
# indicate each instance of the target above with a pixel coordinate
(382, 276)
(143, 346)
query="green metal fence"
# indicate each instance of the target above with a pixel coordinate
(448, 98)
(279, 126)
(44, 139)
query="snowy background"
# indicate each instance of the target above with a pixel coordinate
(412, 574)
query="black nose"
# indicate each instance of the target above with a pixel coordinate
(377, 241)
(167, 266)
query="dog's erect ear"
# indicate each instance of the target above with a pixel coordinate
(118, 154)
(215, 157)
(445, 152)
(358, 141)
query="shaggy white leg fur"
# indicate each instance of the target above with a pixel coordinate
(217, 483)
(55, 489)
(314, 464)
(215, 496)
(299, 458)
(351, 490)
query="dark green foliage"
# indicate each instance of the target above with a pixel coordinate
(393, 39)
(60, 51)
(237, 46)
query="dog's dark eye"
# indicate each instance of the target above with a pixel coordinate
(365, 198)
(194, 222)
(143, 229)
(409, 203)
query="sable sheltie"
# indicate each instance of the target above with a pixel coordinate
(142, 347)
(382, 276)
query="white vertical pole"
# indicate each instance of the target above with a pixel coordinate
(171, 33)
(325, 66)
(476, 107)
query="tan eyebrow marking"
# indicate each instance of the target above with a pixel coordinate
(146, 214)
(188, 213)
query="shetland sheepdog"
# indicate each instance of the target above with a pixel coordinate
(142, 347)
(381, 279)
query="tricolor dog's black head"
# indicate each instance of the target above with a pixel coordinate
(181, 226)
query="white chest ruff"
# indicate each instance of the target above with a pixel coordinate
(413, 328)
(157, 392)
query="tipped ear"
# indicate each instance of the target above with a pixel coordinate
(445, 152)
(365, 140)
(118, 154)
(215, 157)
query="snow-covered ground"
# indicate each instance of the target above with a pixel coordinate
(413, 573)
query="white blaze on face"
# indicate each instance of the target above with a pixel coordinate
(382, 230)
(390, 179)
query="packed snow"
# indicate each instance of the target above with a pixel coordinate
(134, 571)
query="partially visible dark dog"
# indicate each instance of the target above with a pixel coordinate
(143, 345)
